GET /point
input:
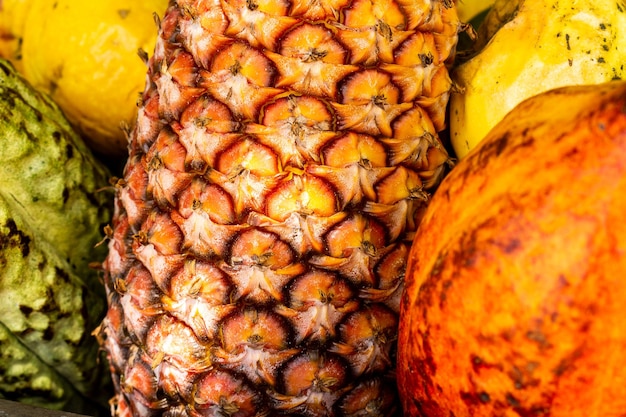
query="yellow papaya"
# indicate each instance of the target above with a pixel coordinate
(84, 54)
(514, 289)
(529, 46)
(12, 19)
(469, 9)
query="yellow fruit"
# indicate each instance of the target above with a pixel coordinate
(532, 46)
(468, 9)
(11, 27)
(85, 55)
(514, 291)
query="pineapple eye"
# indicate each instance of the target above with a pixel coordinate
(368, 248)
(262, 259)
(379, 100)
(374, 407)
(155, 163)
(315, 55)
(141, 237)
(120, 285)
(385, 30)
(418, 193)
(235, 68)
(365, 163)
(427, 59)
(325, 297)
(228, 407)
(325, 384)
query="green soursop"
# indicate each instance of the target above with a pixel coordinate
(53, 210)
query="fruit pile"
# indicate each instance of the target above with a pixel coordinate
(331, 208)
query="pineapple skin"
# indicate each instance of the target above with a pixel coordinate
(281, 160)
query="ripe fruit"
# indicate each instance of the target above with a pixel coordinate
(52, 210)
(12, 19)
(469, 9)
(514, 296)
(85, 55)
(281, 159)
(529, 46)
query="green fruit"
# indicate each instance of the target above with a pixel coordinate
(52, 213)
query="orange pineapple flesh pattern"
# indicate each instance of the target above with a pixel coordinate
(280, 162)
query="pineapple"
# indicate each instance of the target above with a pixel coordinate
(281, 159)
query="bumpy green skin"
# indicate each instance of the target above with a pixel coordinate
(52, 214)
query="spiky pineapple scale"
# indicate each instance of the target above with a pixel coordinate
(282, 156)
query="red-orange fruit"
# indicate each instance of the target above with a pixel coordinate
(515, 297)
